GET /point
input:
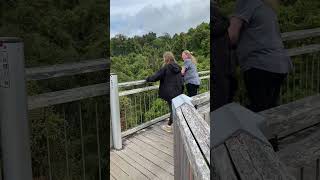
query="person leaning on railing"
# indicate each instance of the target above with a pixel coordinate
(254, 30)
(190, 73)
(171, 83)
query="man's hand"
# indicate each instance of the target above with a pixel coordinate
(183, 71)
(234, 30)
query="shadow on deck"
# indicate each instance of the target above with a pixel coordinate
(148, 154)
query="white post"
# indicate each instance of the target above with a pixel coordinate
(14, 125)
(115, 112)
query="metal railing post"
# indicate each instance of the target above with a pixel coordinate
(115, 112)
(15, 140)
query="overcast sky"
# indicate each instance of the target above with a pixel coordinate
(137, 17)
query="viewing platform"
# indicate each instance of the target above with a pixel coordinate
(148, 153)
(69, 115)
(302, 83)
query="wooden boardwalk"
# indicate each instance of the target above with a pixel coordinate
(148, 154)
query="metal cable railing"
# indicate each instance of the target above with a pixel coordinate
(68, 136)
(141, 105)
(303, 81)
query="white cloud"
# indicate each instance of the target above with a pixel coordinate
(167, 16)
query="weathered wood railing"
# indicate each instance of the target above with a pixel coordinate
(139, 99)
(246, 152)
(191, 141)
(296, 128)
(239, 148)
(65, 123)
(83, 113)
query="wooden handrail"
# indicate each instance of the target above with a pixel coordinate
(69, 95)
(239, 148)
(142, 82)
(69, 69)
(304, 50)
(301, 34)
(191, 141)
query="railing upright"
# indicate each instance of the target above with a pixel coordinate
(14, 125)
(115, 112)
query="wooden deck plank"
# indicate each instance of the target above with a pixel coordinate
(117, 172)
(163, 137)
(149, 151)
(301, 153)
(126, 167)
(157, 129)
(155, 169)
(159, 139)
(166, 150)
(292, 117)
(158, 161)
(135, 164)
(153, 150)
(163, 134)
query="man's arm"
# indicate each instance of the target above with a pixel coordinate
(234, 30)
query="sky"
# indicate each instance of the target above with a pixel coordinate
(138, 17)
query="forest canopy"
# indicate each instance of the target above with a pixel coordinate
(56, 31)
(293, 14)
(135, 58)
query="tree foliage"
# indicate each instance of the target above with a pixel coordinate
(55, 32)
(134, 58)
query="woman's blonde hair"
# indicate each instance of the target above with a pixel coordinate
(168, 57)
(190, 55)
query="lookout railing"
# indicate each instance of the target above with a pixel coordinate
(139, 105)
(243, 155)
(191, 141)
(303, 47)
(67, 125)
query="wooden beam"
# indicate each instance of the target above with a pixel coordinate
(245, 157)
(186, 143)
(59, 70)
(221, 164)
(255, 160)
(199, 128)
(138, 90)
(132, 83)
(201, 98)
(144, 125)
(65, 96)
(301, 154)
(142, 82)
(308, 49)
(293, 117)
(301, 34)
